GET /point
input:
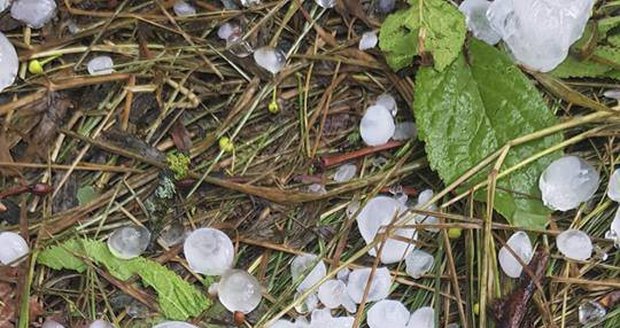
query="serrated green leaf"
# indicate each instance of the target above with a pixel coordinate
(178, 299)
(473, 108)
(444, 28)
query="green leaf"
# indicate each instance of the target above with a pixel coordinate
(86, 194)
(178, 299)
(471, 110)
(573, 67)
(444, 29)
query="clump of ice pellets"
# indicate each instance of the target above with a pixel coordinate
(209, 251)
(521, 245)
(613, 190)
(368, 40)
(574, 244)
(405, 131)
(327, 4)
(333, 293)
(539, 33)
(345, 173)
(475, 12)
(387, 313)
(239, 291)
(310, 267)
(174, 324)
(271, 59)
(567, 182)
(100, 324)
(100, 65)
(182, 8)
(591, 313)
(418, 262)
(129, 242)
(9, 63)
(34, 13)
(379, 285)
(423, 317)
(377, 126)
(14, 247)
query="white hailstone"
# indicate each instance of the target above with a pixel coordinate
(9, 63)
(388, 313)
(307, 305)
(423, 198)
(300, 267)
(182, 8)
(614, 230)
(567, 182)
(377, 126)
(174, 324)
(386, 6)
(100, 65)
(282, 324)
(239, 291)
(227, 29)
(574, 244)
(129, 242)
(343, 275)
(381, 211)
(539, 33)
(327, 4)
(323, 319)
(521, 245)
(250, 3)
(333, 293)
(238, 46)
(212, 290)
(405, 131)
(418, 262)
(13, 248)
(369, 40)
(423, 317)
(389, 102)
(345, 173)
(209, 251)
(613, 94)
(272, 60)
(317, 188)
(475, 12)
(34, 13)
(613, 190)
(4, 4)
(49, 323)
(100, 324)
(379, 286)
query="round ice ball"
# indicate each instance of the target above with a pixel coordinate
(13, 248)
(9, 63)
(209, 251)
(387, 313)
(271, 59)
(521, 245)
(49, 323)
(239, 291)
(567, 182)
(574, 244)
(129, 242)
(34, 13)
(377, 126)
(100, 65)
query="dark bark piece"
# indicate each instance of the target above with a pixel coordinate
(510, 311)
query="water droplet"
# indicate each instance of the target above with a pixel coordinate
(239, 291)
(209, 251)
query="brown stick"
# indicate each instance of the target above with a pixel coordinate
(329, 161)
